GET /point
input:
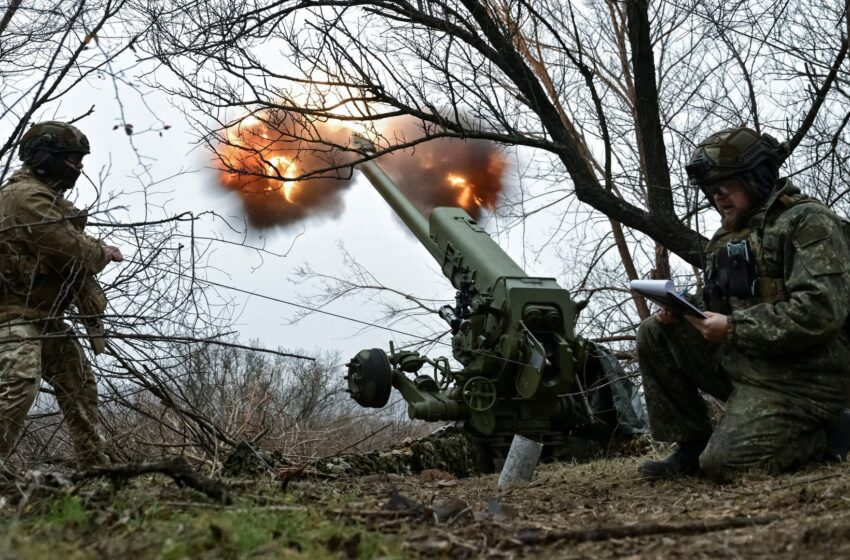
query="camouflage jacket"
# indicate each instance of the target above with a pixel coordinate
(789, 337)
(44, 253)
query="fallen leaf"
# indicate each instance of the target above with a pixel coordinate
(499, 512)
(398, 502)
(430, 475)
(448, 510)
(432, 545)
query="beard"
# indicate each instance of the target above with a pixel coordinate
(732, 222)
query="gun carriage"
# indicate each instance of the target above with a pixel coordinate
(524, 369)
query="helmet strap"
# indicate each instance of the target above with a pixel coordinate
(761, 181)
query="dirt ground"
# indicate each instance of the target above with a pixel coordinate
(805, 515)
(593, 510)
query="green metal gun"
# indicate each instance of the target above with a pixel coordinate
(525, 371)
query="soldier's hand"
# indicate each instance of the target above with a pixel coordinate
(713, 328)
(665, 316)
(114, 253)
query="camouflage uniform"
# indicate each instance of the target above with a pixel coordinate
(784, 369)
(44, 260)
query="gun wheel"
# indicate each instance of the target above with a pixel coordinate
(479, 393)
(370, 378)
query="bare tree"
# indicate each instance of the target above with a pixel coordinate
(608, 97)
(162, 303)
(611, 96)
(47, 48)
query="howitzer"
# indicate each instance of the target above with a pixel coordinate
(524, 369)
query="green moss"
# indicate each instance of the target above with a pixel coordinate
(139, 523)
(68, 513)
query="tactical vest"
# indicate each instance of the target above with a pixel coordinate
(26, 279)
(745, 267)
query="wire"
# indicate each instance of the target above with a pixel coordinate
(286, 302)
(321, 311)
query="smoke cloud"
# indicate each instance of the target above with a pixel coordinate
(262, 159)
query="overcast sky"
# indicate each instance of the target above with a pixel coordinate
(366, 227)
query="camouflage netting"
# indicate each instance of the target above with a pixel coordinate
(453, 453)
(448, 450)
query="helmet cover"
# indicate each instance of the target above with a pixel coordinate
(53, 137)
(729, 153)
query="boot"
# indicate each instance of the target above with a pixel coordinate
(683, 461)
(838, 438)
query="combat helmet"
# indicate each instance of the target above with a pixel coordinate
(52, 137)
(46, 149)
(736, 152)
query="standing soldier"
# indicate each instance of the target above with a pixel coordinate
(47, 263)
(774, 346)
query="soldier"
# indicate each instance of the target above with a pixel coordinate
(774, 347)
(47, 263)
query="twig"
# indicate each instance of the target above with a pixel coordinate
(372, 513)
(391, 514)
(297, 471)
(178, 468)
(539, 536)
(807, 481)
(361, 440)
(819, 98)
(249, 509)
(748, 493)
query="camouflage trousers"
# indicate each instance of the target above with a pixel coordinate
(760, 429)
(24, 361)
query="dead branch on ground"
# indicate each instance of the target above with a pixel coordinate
(539, 536)
(178, 468)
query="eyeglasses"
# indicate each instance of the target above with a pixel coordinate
(722, 188)
(75, 160)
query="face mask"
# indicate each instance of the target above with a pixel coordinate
(62, 173)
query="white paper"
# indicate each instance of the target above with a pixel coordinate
(663, 292)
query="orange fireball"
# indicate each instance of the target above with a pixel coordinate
(283, 168)
(467, 198)
(262, 159)
(253, 163)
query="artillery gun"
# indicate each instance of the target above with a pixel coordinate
(524, 369)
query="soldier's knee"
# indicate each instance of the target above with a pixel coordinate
(654, 348)
(715, 465)
(648, 333)
(723, 463)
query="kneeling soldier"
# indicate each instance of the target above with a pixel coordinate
(774, 347)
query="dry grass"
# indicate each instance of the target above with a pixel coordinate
(809, 516)
(812, 511)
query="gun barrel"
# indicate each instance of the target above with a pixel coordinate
(405, 209)
(457, 243)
